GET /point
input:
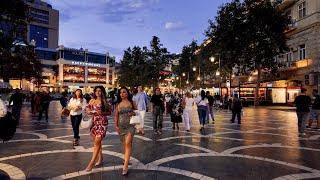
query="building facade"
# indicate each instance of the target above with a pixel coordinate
(80, 68)
(44, 25)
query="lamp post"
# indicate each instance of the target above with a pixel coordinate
(212, 59)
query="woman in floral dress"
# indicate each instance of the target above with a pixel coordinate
(99, 108)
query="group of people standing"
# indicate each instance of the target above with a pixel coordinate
(307, 108)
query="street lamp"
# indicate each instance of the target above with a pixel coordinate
(198, 78)
(212, 59)
(183, 74)
(194, 68)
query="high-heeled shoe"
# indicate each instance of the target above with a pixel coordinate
(89, 168)
(124, 172)
(99, 163)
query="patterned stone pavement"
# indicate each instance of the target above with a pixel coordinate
(264, 146)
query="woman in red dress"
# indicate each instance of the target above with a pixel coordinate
(99, 108)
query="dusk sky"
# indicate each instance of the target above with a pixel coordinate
(114, 25)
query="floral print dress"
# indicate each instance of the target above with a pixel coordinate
(99, 122)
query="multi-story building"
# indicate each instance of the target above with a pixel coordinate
(67, 69)
(302, 60)
(44, 25)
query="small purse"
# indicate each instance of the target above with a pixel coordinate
(87, 121)
(135, 120)
(65, 112)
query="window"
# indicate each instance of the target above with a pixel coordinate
(302, 52)
(46, 55)
(302, 10)
(289, 57)
(99, 59)
(74, 55)
(40, 35)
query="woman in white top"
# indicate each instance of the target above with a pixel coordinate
(187, 104)
(3, 109)
(77, 105)
(202, 103)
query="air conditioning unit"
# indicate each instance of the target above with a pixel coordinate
(293, 23)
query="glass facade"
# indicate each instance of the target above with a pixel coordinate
(74, 55)
(40, 35)
(46, 55)
(99, 59)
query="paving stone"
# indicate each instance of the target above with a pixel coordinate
(258, 147)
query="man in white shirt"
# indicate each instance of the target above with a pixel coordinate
(141, 100)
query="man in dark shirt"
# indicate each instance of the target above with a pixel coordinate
(236, 108)
(157, 110)
(302, 103)
(44, 105)
(17, 99)
(211, 102)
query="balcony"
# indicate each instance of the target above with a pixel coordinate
(296, 65)
(287, 3)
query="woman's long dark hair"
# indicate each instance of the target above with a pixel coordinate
(103, 97)
(203, 94)
(119, 97)
(74, 96)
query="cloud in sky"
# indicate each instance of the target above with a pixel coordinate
(110, 11)
(173, 25)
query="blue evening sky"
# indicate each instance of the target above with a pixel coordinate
(114, 25)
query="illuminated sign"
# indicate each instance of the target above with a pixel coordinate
(85, 64)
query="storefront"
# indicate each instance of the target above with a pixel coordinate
(81, 69)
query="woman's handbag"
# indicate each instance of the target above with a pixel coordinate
(87, 121)
(65, 112)
(135, 120)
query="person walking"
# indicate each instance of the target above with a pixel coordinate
(176, 111)
(64, 100)
(76, 106)
(124, 110)
(187, 104)
(44, 105)
(202, 104)
(236, 108)
(141, 100)
(302, 103)
(210, 115)
(157, 103)
(99, 108)
(16, 99)
(315, 110)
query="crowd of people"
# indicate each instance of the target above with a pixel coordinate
(124, 104)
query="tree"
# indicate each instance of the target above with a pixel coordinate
(248, 35)
(226, 37)
(265, 36)
(17, 56)
(159, 59)
(187, 60)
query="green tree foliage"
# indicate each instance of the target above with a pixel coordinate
(248, 35)
(187, 61)
(17, 57)
(143, 65)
